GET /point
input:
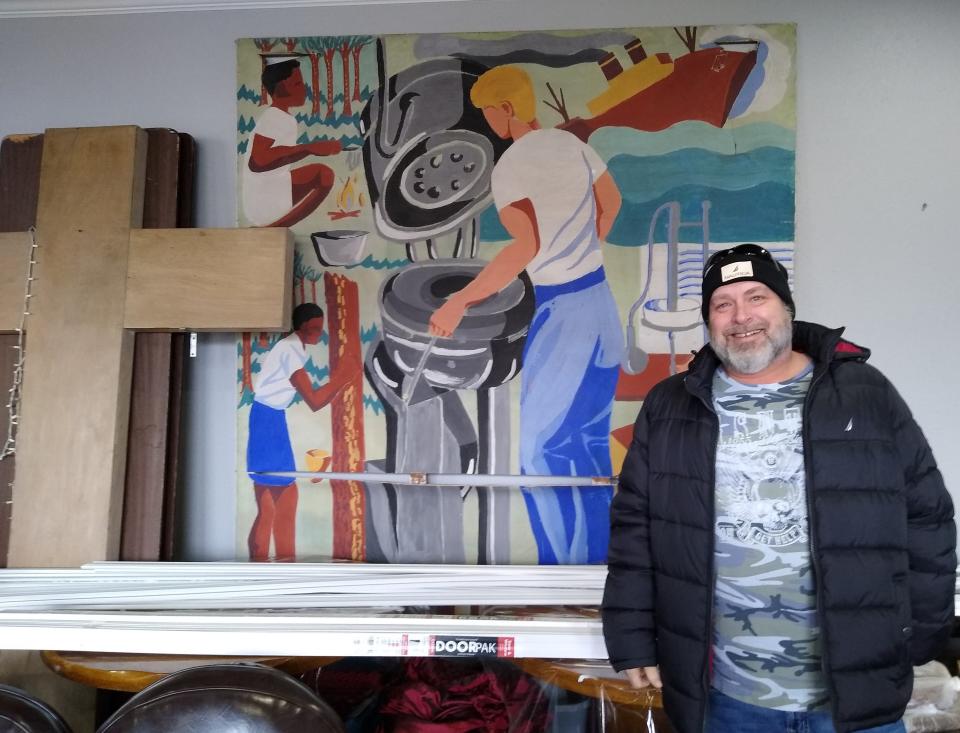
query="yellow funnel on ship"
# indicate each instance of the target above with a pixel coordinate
(638, 77)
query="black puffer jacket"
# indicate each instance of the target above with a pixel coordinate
(882, 537)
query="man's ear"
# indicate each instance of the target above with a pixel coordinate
(507, 107)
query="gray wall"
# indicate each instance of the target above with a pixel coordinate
(878, 164)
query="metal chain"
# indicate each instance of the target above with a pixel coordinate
(13, 401)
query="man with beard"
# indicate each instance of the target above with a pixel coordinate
(782, 546)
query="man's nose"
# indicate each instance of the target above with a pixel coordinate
(741, 314)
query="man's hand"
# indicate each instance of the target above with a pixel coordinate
(640, 677)
(325, 147)
(447, 317)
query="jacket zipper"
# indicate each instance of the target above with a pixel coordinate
(812, 531)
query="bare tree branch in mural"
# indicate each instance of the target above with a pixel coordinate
(559, 103)
(689, 36)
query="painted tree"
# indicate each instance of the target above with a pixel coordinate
(345, 63)
(328, 46)
(264, 45)
(247, 351)
(290, 44)
(689, 36)
(342, 300)
(313, 47)
(356, 47)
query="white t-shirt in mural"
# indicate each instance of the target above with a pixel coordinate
(556, 171)
(272, 385)
(268, 195)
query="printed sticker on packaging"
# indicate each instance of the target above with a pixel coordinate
(471, 646)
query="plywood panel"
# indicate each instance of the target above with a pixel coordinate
(19, 179)
(7, 355)
(145, 486)
(186, 206)
(72, 446)
(19, 183)
(210, 280)
(14, 251)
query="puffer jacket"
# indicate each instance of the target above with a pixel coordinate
(882, 537)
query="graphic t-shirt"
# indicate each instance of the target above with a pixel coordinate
(766, 643)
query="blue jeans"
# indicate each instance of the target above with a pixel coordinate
(726, 715)
(571, 363)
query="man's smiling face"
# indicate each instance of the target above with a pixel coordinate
(750, 327)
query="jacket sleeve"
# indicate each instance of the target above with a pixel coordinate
(931, 538)
(628, 598)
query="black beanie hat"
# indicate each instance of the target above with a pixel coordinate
(744, 262)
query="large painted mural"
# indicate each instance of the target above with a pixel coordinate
(499, 243)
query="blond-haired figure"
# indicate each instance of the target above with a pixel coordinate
(557, 201)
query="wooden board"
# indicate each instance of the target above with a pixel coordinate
(19, 180)
(14, 251)
(153, 439)
(72, 443)
(19, 177)
(185, 218)
(91, 194)
(7, 360)
(172, 275)
(151, 476)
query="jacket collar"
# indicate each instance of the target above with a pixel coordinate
(823, 345)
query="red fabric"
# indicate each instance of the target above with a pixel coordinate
(463, 697)
(845, 347)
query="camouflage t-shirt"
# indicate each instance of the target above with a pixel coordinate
(766, 645)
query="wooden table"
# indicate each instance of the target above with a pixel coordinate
(133, 672)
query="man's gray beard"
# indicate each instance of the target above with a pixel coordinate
(779, 338)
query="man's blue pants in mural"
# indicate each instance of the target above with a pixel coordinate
(571, 364)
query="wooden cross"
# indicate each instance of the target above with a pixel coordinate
(99, 278)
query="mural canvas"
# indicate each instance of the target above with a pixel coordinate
(499, 244)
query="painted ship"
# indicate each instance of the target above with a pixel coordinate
(658, 91)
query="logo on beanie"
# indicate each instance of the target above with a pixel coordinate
(735, 270)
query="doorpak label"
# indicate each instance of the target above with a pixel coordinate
(471, 646)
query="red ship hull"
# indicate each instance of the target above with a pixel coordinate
(703, 86)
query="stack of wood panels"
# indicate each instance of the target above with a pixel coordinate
(151, 465)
